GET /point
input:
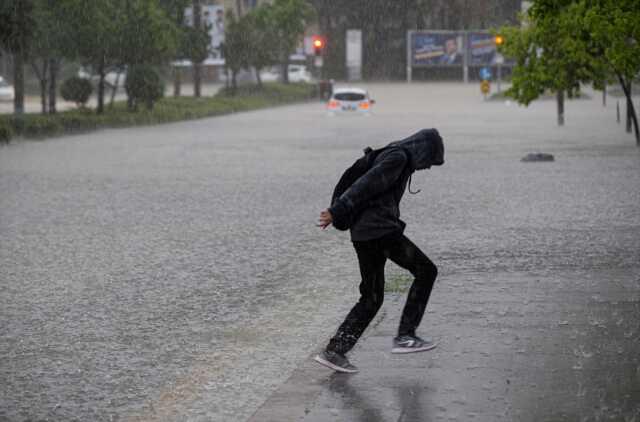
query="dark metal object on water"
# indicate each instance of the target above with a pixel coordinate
(538, 156)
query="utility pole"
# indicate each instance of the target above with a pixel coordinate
(197, 67)
(499, 40)
(19, 59)
(560, 98)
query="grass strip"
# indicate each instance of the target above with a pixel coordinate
(166, 110)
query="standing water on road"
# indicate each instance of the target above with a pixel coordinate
(175, 273)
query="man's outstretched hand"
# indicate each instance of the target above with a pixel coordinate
(325, 219)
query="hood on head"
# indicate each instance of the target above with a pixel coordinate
(425, 147)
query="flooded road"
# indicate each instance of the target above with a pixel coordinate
(175, 273)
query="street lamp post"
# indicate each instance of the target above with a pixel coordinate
(499, 61)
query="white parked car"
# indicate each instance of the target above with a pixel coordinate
(350, 100)
(110, 78)
(297, 73)
(270, 75)
(7, 92)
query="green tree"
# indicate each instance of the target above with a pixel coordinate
(262, 51)
(46, 50)
(288, 18)
(236, 47)
(97, 36)
(195, 47)
(111, 34)
(566, 43)
(548, 56)
(197, 60)
(149, 36)
(175, 10)
(16, 33)
(611, 34)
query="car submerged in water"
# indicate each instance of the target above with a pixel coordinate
(350, 100)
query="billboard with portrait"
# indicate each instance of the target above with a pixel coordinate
(213, 20)
(437, 48)
(482, 49)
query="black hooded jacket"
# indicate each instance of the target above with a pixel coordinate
(375, 197)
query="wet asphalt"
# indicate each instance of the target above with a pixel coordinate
(174, 272)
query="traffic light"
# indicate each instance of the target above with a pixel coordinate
(318, 45)
(499, 40)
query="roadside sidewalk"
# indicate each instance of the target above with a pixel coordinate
(512, 346)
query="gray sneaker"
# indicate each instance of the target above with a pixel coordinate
(335, 361)
(411, 344)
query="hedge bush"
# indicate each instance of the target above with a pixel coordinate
(143, 86)
(77, 90)
(6, 131)
(166, 110)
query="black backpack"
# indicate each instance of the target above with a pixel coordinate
(349, 177)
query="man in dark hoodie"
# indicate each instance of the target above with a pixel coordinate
(372, 203)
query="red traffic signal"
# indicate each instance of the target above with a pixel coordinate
(318, 45)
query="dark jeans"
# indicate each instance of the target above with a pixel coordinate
(372, 256)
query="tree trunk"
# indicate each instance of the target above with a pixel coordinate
(629, 107)
(131, 105)
(285, 70)
(101, 73)
(177, 81)
(258, 79)
(234, 84)
(19, 59)
(560, 99)
(43, 87)
(18, 83)
(197, 67)
(197, 80)
(631, 111)
(115, 90)
(42, 79)
(53, 92)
